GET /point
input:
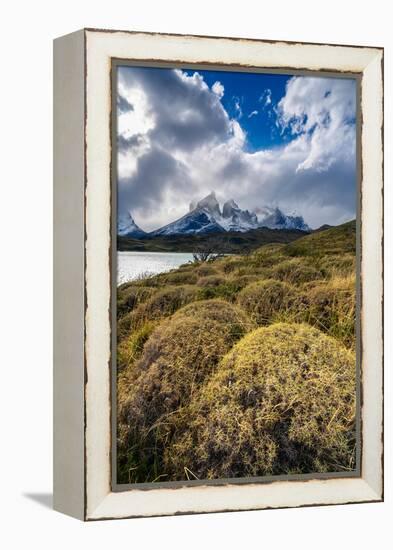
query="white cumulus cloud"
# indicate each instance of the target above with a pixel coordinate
(177, 142)
(324, 111)
(218, 89)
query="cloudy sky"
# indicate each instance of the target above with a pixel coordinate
(260, 139)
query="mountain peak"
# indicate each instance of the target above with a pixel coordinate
(229, 208)
(274, 218)
(210, 204)
(205, 216)
(126, 226)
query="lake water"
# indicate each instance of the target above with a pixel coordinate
(132, 265)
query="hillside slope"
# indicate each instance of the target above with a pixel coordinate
(242, 366)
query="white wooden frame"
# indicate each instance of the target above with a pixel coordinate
(82, 433)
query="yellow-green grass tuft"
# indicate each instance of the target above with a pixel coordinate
(205, 269)
(235, 319)
(164, 303)
(330, 306)
(131, 347)
(295, 271)
(230, 264)
(244, 280)
(129, 296)
(176, 359)
(218, 286)
(265, 299)
(268, 255)
(343, 264)
(179, 277)
(211, 281)
(282, 401)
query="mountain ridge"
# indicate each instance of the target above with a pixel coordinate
(206, 217)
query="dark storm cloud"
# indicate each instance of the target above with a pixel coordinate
(187, 114)
(123, 105)
(156, 171)
(127, 144)
(235, 169)
(179, 143)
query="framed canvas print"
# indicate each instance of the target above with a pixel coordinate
(218, 274)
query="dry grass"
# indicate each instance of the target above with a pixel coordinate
(129, 296)
(264, 299)
(180, 277)
(178, 356)
(203, 270)
(244, 280)
(281, 401)
(131, 347)
(338, 265)
(295, 271)
(164, 303)
(330, 306)
(211, 281)
(201, 392)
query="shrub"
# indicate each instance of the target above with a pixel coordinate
(236, 321)
(228, 265)
(244, 280)
(331, 307)
(147, 279)
(205, 270)
(124, 325)
(268, 255)
(226, 291)
(176, 359)
(295, 271)
(282, 401)
(343, 264)
(129, 296)
(164, 303)
(211, 281)
(131, 347)
(264, 299)
(179, 277)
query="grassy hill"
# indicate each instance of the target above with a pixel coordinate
(335, 240)
(242, 366)
(232, 241)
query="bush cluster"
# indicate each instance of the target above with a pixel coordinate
(243, 366)
(176, 359)
(281, 401)
(264, 299)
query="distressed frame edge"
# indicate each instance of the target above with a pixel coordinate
(69, 489)
(375, 493)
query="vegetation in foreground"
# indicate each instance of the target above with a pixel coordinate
(242, 366)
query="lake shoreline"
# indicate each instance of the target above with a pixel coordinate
(133, 265)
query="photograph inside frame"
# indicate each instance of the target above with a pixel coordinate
(235, 327)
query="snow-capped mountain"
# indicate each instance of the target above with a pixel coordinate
(274, 218)
(126, 227)
(235, 219)
(205, 216)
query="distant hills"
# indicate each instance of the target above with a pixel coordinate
(206, 217)
(230, 242)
